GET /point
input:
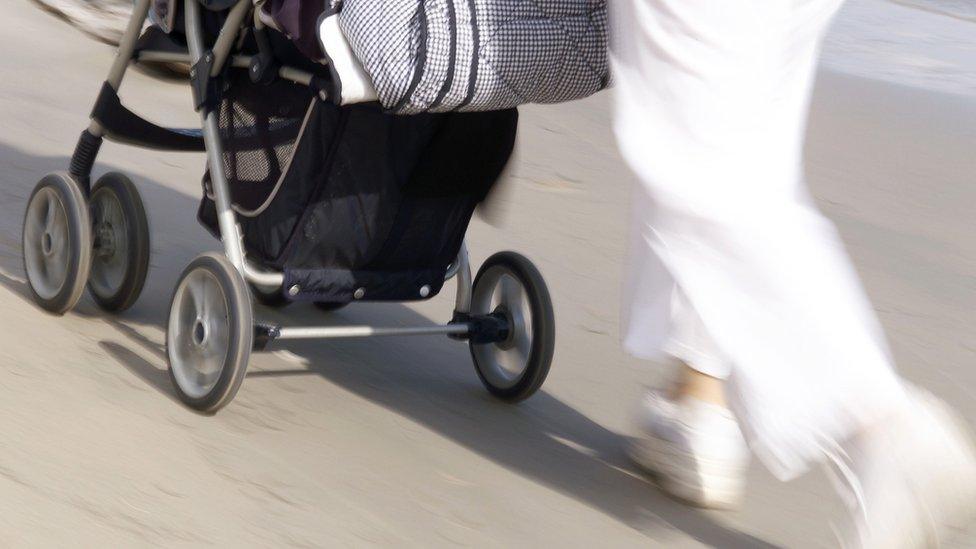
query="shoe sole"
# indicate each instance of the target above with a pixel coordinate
(709, 483)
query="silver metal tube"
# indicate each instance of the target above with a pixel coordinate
(164, 56)
(295, 75)
(127, 44)
(288, 73)
(337, 332)
(452, 270)
(96, 129)
(464, 285)
(239, 61)
(261, 278)
(194, 32)
(229, 232)
(228, 35)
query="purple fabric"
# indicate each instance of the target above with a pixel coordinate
(298, 19)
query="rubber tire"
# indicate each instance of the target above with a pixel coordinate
(137, 228)
(241, 333)
(75, 205)
(543, 327)
(274, 300)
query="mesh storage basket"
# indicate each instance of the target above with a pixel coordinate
(259, 127)
(351, 201)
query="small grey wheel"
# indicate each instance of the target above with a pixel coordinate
(57, 243)
(508, 285)
(120, 254)
(210, 333)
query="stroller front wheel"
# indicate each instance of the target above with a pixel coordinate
(120, 258)
(510, 286)
(57, 243)
(209, 333)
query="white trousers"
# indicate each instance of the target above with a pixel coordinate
(733, 269)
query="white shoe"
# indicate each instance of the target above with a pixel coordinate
(694, 449)
(917, 475)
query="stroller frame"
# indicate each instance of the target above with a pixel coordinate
(505, 313)
(230, 234)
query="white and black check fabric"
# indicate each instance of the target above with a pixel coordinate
(475, 55)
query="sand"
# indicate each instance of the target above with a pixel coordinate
(394, 442)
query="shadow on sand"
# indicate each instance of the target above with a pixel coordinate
(427, 380)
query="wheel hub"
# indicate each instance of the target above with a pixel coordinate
(199, 333)
(111, 245)
(47, 244)
(105, 240)
(502, 295)
(509, 340)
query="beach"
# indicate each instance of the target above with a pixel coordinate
(929, 44)
(394, 442)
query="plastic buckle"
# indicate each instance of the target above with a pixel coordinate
(264, 67)
(204, 86)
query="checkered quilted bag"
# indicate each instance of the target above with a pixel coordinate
(476, 55)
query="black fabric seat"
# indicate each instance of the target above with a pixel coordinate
(347, 199)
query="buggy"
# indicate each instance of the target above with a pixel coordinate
(313, 199)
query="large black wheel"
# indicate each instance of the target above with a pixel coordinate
(509, 285)
(210, 333)
(57, 242)
(120, 254)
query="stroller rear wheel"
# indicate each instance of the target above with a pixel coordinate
(120, 258)
(57, 243)
(210, 333)
(510, 286)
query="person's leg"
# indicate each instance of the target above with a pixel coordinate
(711, 109)
(711, 102)
(694, 384)
(687, 437)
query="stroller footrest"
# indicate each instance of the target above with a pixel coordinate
(121, 124)
(336, 285)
